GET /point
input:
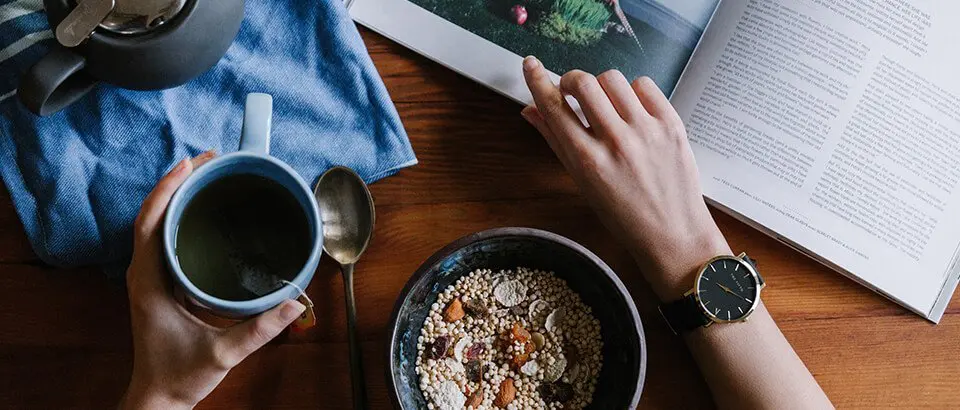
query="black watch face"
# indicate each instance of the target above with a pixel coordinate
(728, 289)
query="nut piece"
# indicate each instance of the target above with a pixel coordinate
(475, 399)
(454, 311)
(506, 394)
(538, 340)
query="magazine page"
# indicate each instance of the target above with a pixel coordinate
(487, 39)
(835, 124)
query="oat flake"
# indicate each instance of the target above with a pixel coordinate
(554, 371)
(510, 293)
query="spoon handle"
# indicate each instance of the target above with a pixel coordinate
(356, 361)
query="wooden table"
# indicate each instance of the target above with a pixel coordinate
(65, 337)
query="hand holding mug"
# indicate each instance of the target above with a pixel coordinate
(179, 359)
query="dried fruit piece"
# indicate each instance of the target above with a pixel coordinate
(538, 340)
(474, 351)
(518, 360)
(475, 399)
(438, 349)
(564, 391)
(475, 308)
(530, 368)
(519, 334)
(458, 349)
(474, 371)
(555, 392)
(510, 293)
(506, 394)
(454, 311)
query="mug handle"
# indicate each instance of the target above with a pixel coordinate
(54, 82)
(257, 116)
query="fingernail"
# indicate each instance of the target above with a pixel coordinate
(530, 63)
(523, 113)
(291, 310)
(206, 155)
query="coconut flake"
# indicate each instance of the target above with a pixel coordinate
(553, 320)
(535, 311)
(462, 344)
(510, 293)
(454, 365)
(530, 368)
(449, 397)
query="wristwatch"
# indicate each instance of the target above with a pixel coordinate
(727, 289)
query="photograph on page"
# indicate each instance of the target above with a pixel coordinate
(639, 37)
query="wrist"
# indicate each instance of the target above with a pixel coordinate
(673, 266)
(139, 396)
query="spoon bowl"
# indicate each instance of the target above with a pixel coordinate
(346, 208)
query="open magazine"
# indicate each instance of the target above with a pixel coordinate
(831, 125)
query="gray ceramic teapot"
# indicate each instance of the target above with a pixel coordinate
(134, 44)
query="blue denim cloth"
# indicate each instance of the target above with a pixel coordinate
(78, 177)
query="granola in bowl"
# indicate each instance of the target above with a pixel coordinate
(514, 339)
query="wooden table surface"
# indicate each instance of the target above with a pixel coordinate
(65, 336)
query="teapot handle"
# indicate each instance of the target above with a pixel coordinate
(54, 82)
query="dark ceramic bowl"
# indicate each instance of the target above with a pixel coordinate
(624, 347)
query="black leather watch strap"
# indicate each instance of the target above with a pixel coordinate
(755, 269)
(684, 315)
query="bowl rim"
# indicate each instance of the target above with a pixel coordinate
(462, 242)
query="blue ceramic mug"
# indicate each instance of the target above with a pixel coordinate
(252, 158)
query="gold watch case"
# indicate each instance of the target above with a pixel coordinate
(696, 286)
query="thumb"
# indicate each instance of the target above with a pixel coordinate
(244, 338)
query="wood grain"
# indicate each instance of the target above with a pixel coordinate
(65, 339)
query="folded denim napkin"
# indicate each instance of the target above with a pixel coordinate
(77, 178)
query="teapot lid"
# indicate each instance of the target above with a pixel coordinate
(140, 16)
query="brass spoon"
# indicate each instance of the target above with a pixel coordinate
(346, 208)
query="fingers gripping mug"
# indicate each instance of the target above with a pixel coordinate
(243, 233)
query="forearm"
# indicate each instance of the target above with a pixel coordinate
(751, 365)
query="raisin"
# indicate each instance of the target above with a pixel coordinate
(474, 351)
(474, 371)
(547, 393)
(475, 308)
(555, 392)
(438, 349)
(564, 391)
